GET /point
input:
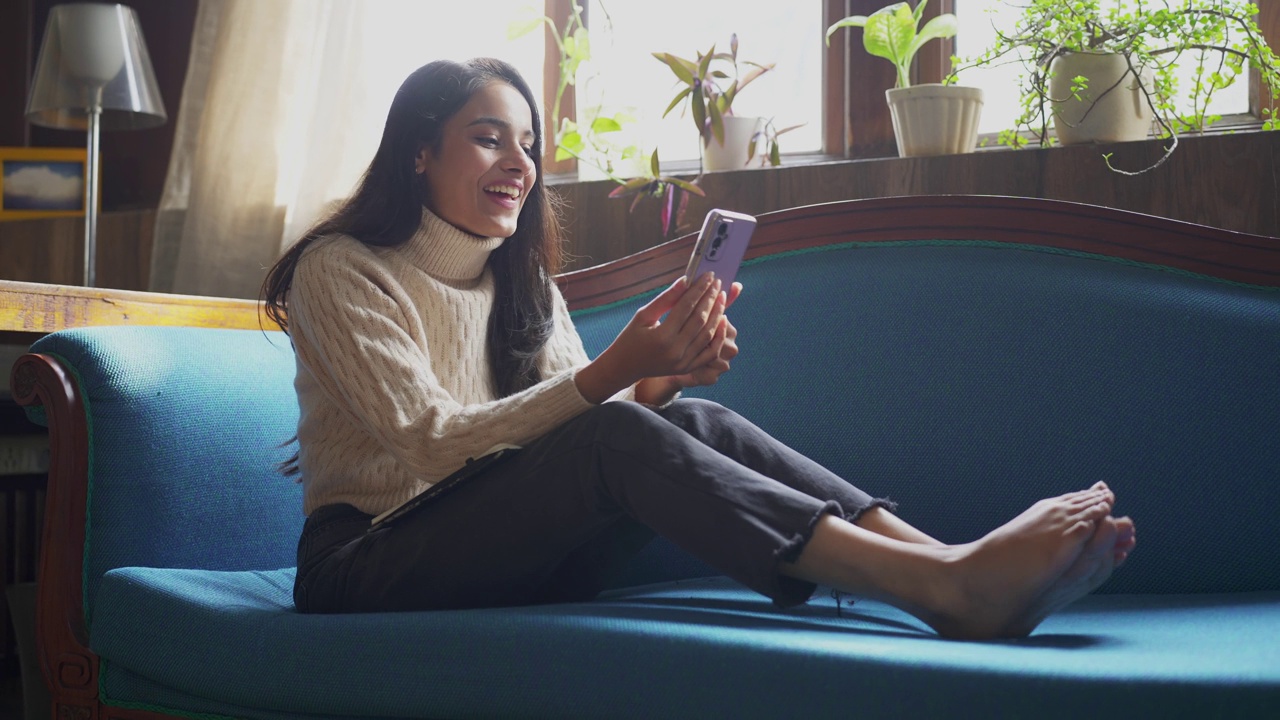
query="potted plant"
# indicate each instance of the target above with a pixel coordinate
(729, 141)
(1106, 74)
(928, 119)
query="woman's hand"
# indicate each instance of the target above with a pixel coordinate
(660, 390)
(726, 341)
(653, 347)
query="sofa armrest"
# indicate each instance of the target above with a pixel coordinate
(69, 667)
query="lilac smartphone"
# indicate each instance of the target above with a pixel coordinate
(721, 245)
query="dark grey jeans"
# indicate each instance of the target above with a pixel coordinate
(553, 521)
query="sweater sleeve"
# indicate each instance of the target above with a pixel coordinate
(565, 350)
(355, 329)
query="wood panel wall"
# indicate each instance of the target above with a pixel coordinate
(1224, 181)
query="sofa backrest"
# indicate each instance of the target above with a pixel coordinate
(966, 380)
(186, 429)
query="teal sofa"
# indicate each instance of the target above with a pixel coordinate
(963, 356)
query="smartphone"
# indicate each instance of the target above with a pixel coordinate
(721, 245)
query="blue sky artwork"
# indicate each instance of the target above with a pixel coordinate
(43, 185)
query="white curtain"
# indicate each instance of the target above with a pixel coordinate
(281, 112)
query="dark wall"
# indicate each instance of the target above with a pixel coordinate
(134, 162)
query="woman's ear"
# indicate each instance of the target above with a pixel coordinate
(420, 160)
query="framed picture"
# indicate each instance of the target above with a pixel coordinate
(42, 182)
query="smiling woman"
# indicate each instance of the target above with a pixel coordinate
(434, 353)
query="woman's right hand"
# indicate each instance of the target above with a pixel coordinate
(650, 346)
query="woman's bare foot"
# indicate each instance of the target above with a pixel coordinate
(1111, 543)
(1000, 580)
(1126, 540)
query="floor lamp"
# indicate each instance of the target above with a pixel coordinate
(94, 74)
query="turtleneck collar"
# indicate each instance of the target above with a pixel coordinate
(447, 252)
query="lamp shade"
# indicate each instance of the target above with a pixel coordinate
(93, 57)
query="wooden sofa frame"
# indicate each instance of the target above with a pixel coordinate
(70, 669)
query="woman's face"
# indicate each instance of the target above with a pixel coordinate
(479, 177)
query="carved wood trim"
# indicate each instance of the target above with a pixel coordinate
(70, 669)
(1233, 256)
(75, 712)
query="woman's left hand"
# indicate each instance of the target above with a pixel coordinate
(658, 390)
(726, 337)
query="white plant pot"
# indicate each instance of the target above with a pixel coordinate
(732, 155)
(934, 119)
(1099, 116)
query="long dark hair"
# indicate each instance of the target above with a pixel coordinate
(386, 209)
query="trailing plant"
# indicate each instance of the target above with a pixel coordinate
(1218, 36)
(708, 92)
(893, 33)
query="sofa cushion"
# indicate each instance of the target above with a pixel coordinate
(187, 427)
(224, 642)
(967, 380)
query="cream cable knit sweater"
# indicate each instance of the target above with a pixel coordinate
(393, 380)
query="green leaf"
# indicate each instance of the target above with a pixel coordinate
(729, 95)
(605, 125)
(686, 186)
(699, 107)
(581, 45)
(571, 141)
(681, 96)
(520, 28)
(775, 157)
(631, 186)
(851, 21)
(562, 154)
(717, 121)
(889, 32)
(653, 163)
(704, 63)
(943, 26)
(683, 69)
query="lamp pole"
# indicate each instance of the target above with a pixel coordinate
(91, 194)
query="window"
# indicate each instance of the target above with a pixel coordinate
(979, 21)
(371, 47)
(625, 34)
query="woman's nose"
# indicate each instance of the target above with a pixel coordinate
(520, 161)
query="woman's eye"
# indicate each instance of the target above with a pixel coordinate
(488, 141)
(528, 150)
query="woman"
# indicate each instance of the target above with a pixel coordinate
(428, 331)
